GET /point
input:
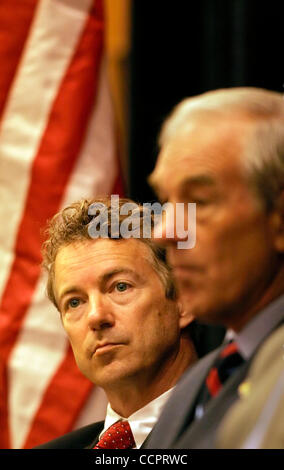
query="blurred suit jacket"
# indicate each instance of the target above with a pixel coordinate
(256, 420)
(177, 428)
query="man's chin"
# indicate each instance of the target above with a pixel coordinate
(110, 375)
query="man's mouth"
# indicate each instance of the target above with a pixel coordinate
(103, 348)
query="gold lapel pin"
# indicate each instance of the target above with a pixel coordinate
(244, 389)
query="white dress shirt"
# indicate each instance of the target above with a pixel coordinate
(142, 421)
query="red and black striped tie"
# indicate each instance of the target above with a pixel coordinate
(225, 365)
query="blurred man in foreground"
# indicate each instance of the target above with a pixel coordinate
(223, 150)
(118, 306)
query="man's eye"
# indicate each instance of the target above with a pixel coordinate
(73, 303)
(121, 286)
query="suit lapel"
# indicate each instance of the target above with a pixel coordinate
(99, 429)
(196, 377)
(201, 433)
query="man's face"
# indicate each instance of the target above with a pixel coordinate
(234, 256)
(114, 310)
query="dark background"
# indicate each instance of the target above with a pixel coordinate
(183, 48)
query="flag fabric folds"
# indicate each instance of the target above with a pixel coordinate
(57, 145)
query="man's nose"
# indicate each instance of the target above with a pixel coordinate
(165, 230)
(164, 227)
(177, 225)
(100, 314)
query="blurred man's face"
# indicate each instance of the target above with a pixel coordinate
(114, 310)
(234, 257)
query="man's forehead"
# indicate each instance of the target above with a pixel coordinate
(197, 160)
(104, 256)
(183, 182)
(105, 248)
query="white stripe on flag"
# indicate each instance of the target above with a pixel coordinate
(96, 168)
(54, 34)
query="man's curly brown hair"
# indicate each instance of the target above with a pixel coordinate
(71, 225)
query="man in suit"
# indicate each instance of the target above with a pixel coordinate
(223, 150)
(118, 305)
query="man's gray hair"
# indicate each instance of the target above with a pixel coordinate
(264, 151)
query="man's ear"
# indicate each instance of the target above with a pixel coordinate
(185, 318)
(277, 223)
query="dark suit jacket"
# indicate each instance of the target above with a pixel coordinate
(176, 428)
(83, 438)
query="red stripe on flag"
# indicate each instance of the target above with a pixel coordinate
(45, 424)
(50, 174)
(16, 17)
(119, 185)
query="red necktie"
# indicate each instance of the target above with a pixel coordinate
(228, 361)
(117, 436)
(225, 365)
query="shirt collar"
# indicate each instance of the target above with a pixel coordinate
(259, 327)
(142, 421)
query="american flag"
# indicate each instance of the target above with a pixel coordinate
(57, 145)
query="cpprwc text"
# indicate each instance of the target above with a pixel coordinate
(143, 459)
